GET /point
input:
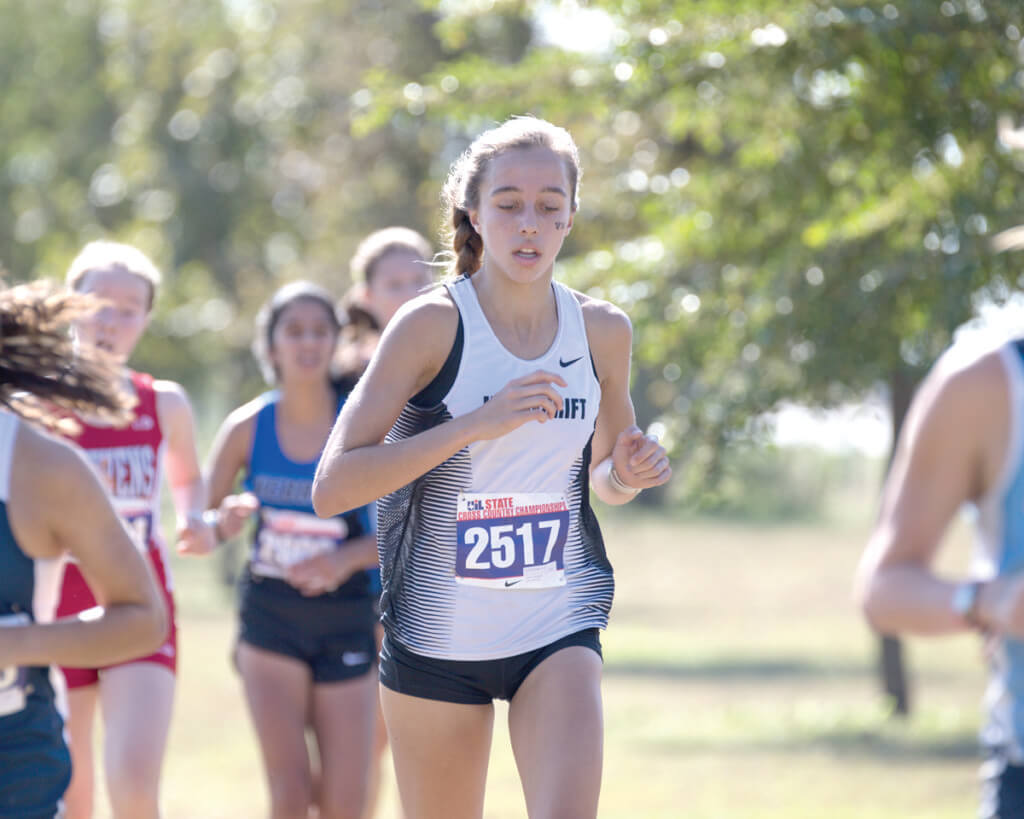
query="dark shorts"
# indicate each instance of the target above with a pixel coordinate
(332, 634)
(1002, 790)
(473, 682)
(35, 766)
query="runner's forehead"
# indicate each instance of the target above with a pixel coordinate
(528, 171)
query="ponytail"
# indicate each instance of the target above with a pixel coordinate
(467, 244)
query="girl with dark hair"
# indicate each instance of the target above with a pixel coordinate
(306, 646)
(52, 505)
(490, 409)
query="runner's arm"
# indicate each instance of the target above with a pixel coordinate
(939, 464)
(639, 462)
(58, 505)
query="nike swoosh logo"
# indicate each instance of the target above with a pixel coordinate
(511, 583)
(143, 423)
(567, 363)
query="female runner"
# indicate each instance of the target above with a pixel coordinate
(490, 409)
(306, 646)
(51, 505)
(136, 696)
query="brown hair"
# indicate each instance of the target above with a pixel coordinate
(382, 242)
(43, 376)
(461, 192)
(104, 255)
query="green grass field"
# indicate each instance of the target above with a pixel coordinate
(739, 682)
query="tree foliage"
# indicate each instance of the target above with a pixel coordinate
(791, 200)
(216, 136)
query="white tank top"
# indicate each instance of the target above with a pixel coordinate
(999, 550)
(496, 551)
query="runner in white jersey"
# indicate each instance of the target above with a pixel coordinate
(490, 409)
(963, 442)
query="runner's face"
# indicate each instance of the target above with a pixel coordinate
(303, 341)
(396, 277)
(119, 324)
(525, 212)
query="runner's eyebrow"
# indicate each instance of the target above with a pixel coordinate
(514, 189)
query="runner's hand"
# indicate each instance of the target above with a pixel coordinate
(640, 460)
(233, 512)
(320, 574)
(521, 400)
(1001, 605)
(195, 536)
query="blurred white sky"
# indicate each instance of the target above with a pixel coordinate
(865, 427)
(574, 27)
(862, 428)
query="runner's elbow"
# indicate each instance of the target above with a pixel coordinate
(157, 624)
(872, 597)
(328, 497)
(145, 625)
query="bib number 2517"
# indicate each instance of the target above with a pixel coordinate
(513, 541)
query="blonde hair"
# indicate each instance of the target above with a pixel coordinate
(382, 242)
(461, 192)
(104, 255)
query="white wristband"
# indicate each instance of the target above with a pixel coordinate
(619, 486)
(211, 517)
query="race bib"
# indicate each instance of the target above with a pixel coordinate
(139, 519)
(12, 677)
(287, 537)
(511, 541)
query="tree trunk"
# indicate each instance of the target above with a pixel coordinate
(894, 675)
(892, 671)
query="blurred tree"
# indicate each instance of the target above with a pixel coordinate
(216, 136)
(792, 200)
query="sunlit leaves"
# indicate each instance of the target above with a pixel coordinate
(792, 199)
